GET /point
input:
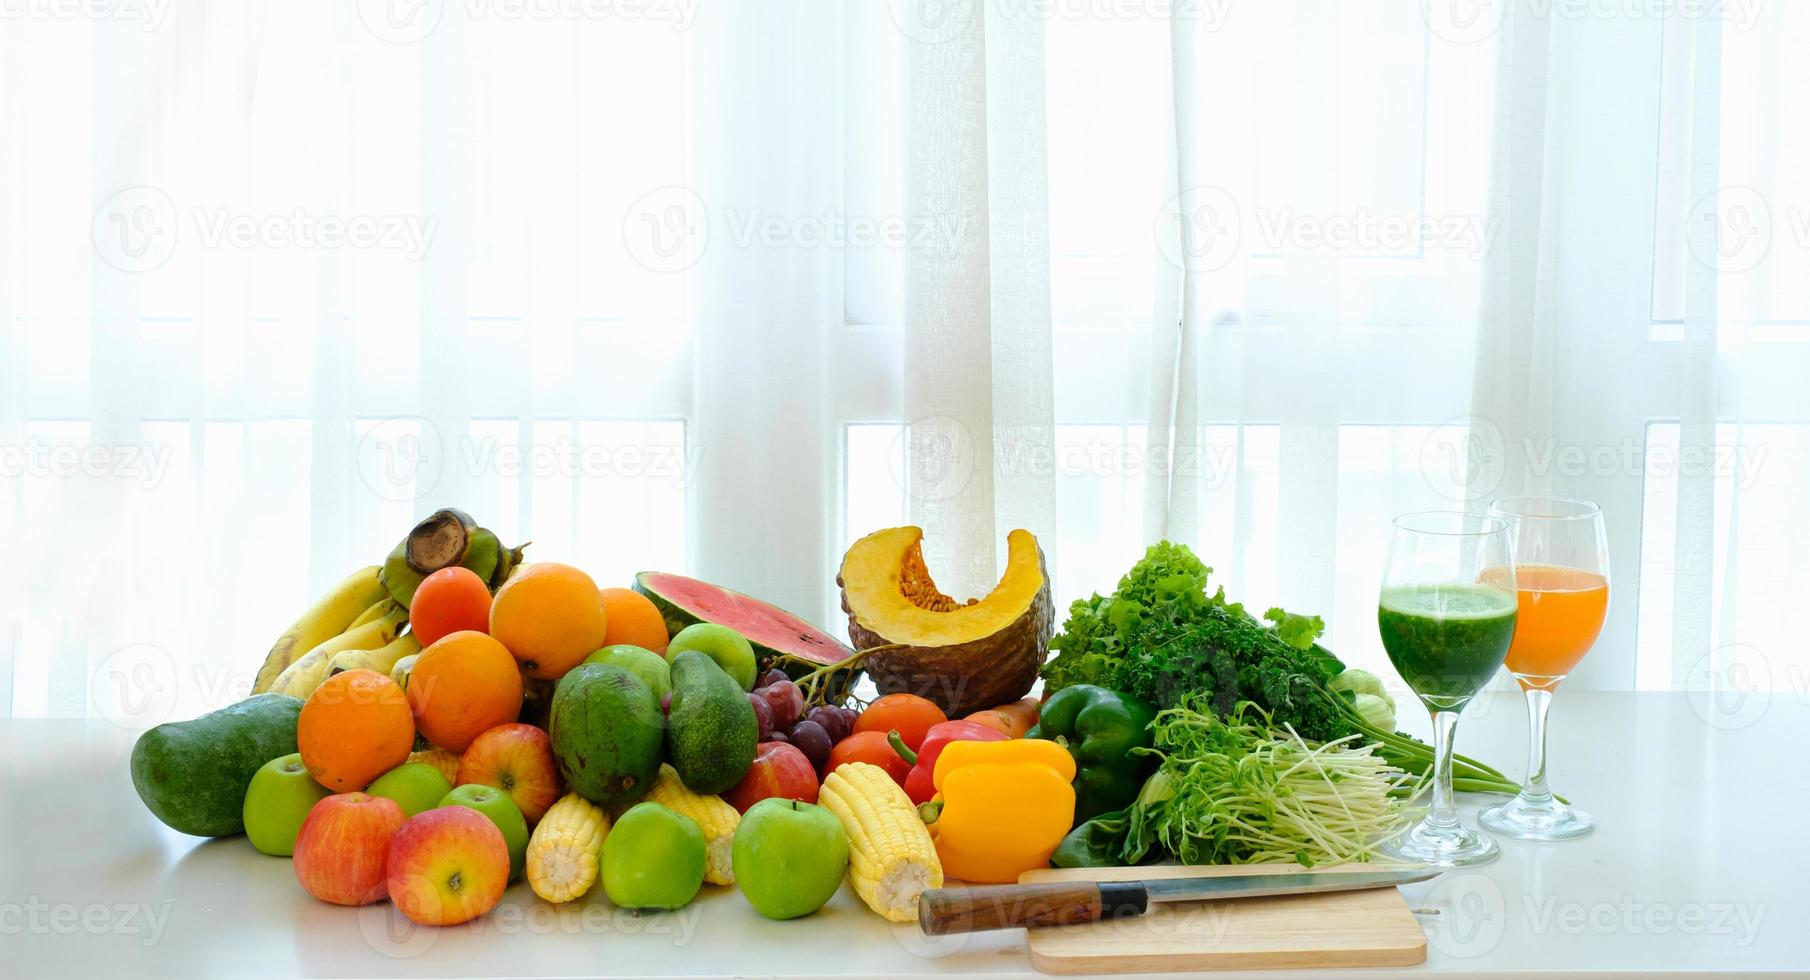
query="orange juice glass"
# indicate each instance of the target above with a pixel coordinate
(1561, 558)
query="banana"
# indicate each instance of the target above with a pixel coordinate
(377, 610)
(399, 671)
(330, 616)
(300, 679)
(508, 560)
(380, 660)
(482, 552)
(398, 577)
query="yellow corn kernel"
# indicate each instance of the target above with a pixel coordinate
(565, 853)
(891, 858)
(714, 817)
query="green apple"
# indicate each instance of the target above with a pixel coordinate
(653, 858)
(277, 801)
(640, 661)
(789, 857)
(502, 811)
(728, 648)
(415, 786)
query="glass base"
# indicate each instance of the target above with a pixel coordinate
(1524, 819)
(1444, 847)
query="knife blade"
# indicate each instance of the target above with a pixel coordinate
(942, 911)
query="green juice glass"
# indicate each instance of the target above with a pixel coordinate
(1447, 615)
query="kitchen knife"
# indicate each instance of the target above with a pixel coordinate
(942, 911)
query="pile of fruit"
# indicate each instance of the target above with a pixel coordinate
(458, 719)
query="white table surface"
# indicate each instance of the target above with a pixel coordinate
(1696, 868)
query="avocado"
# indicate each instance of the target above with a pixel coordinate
(606, 730)
(193, 775)
(714, 734)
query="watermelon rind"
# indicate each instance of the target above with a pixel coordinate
(780, 639)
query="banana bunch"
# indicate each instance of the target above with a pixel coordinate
(360, 623)
(353, 605)
(446, 538)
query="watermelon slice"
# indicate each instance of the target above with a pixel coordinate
(779, 638)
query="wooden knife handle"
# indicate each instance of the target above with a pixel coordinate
(1057, 903)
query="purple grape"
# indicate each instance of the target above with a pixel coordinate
(775, 737)
(831, 720)
(787, 702)
(763, 712)
(773, 676)
(813, 741)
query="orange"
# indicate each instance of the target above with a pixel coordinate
(354, 728)
(550, 616)
(462, 685)
(633, 618)
(449, 600)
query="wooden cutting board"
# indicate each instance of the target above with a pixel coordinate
(1328, 931)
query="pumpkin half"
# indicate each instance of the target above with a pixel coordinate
(963, 656)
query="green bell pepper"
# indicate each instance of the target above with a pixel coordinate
(1101, 729)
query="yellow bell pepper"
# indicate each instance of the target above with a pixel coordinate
(1001, 807)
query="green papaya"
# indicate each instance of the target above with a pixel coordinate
(192, 775)
(713, 730)
(607, 730)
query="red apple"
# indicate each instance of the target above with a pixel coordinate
(779, 770)
(343, 845)
(447, 865)
(517, 759)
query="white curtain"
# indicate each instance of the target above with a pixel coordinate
(716, 286)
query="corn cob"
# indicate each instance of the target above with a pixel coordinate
(565, 853)
(891, 858)
(446, 762)
(715, 818)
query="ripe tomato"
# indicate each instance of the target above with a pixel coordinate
(449, 600)
(909, 714)
(872, 748)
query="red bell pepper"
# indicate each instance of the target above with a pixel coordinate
(918, 783)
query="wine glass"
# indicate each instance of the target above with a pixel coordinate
(1562, 570)
(1446, 613)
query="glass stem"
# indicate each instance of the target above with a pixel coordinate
(1444, 815)
(1534, 790)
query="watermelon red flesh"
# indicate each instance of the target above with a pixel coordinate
(773, 632)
